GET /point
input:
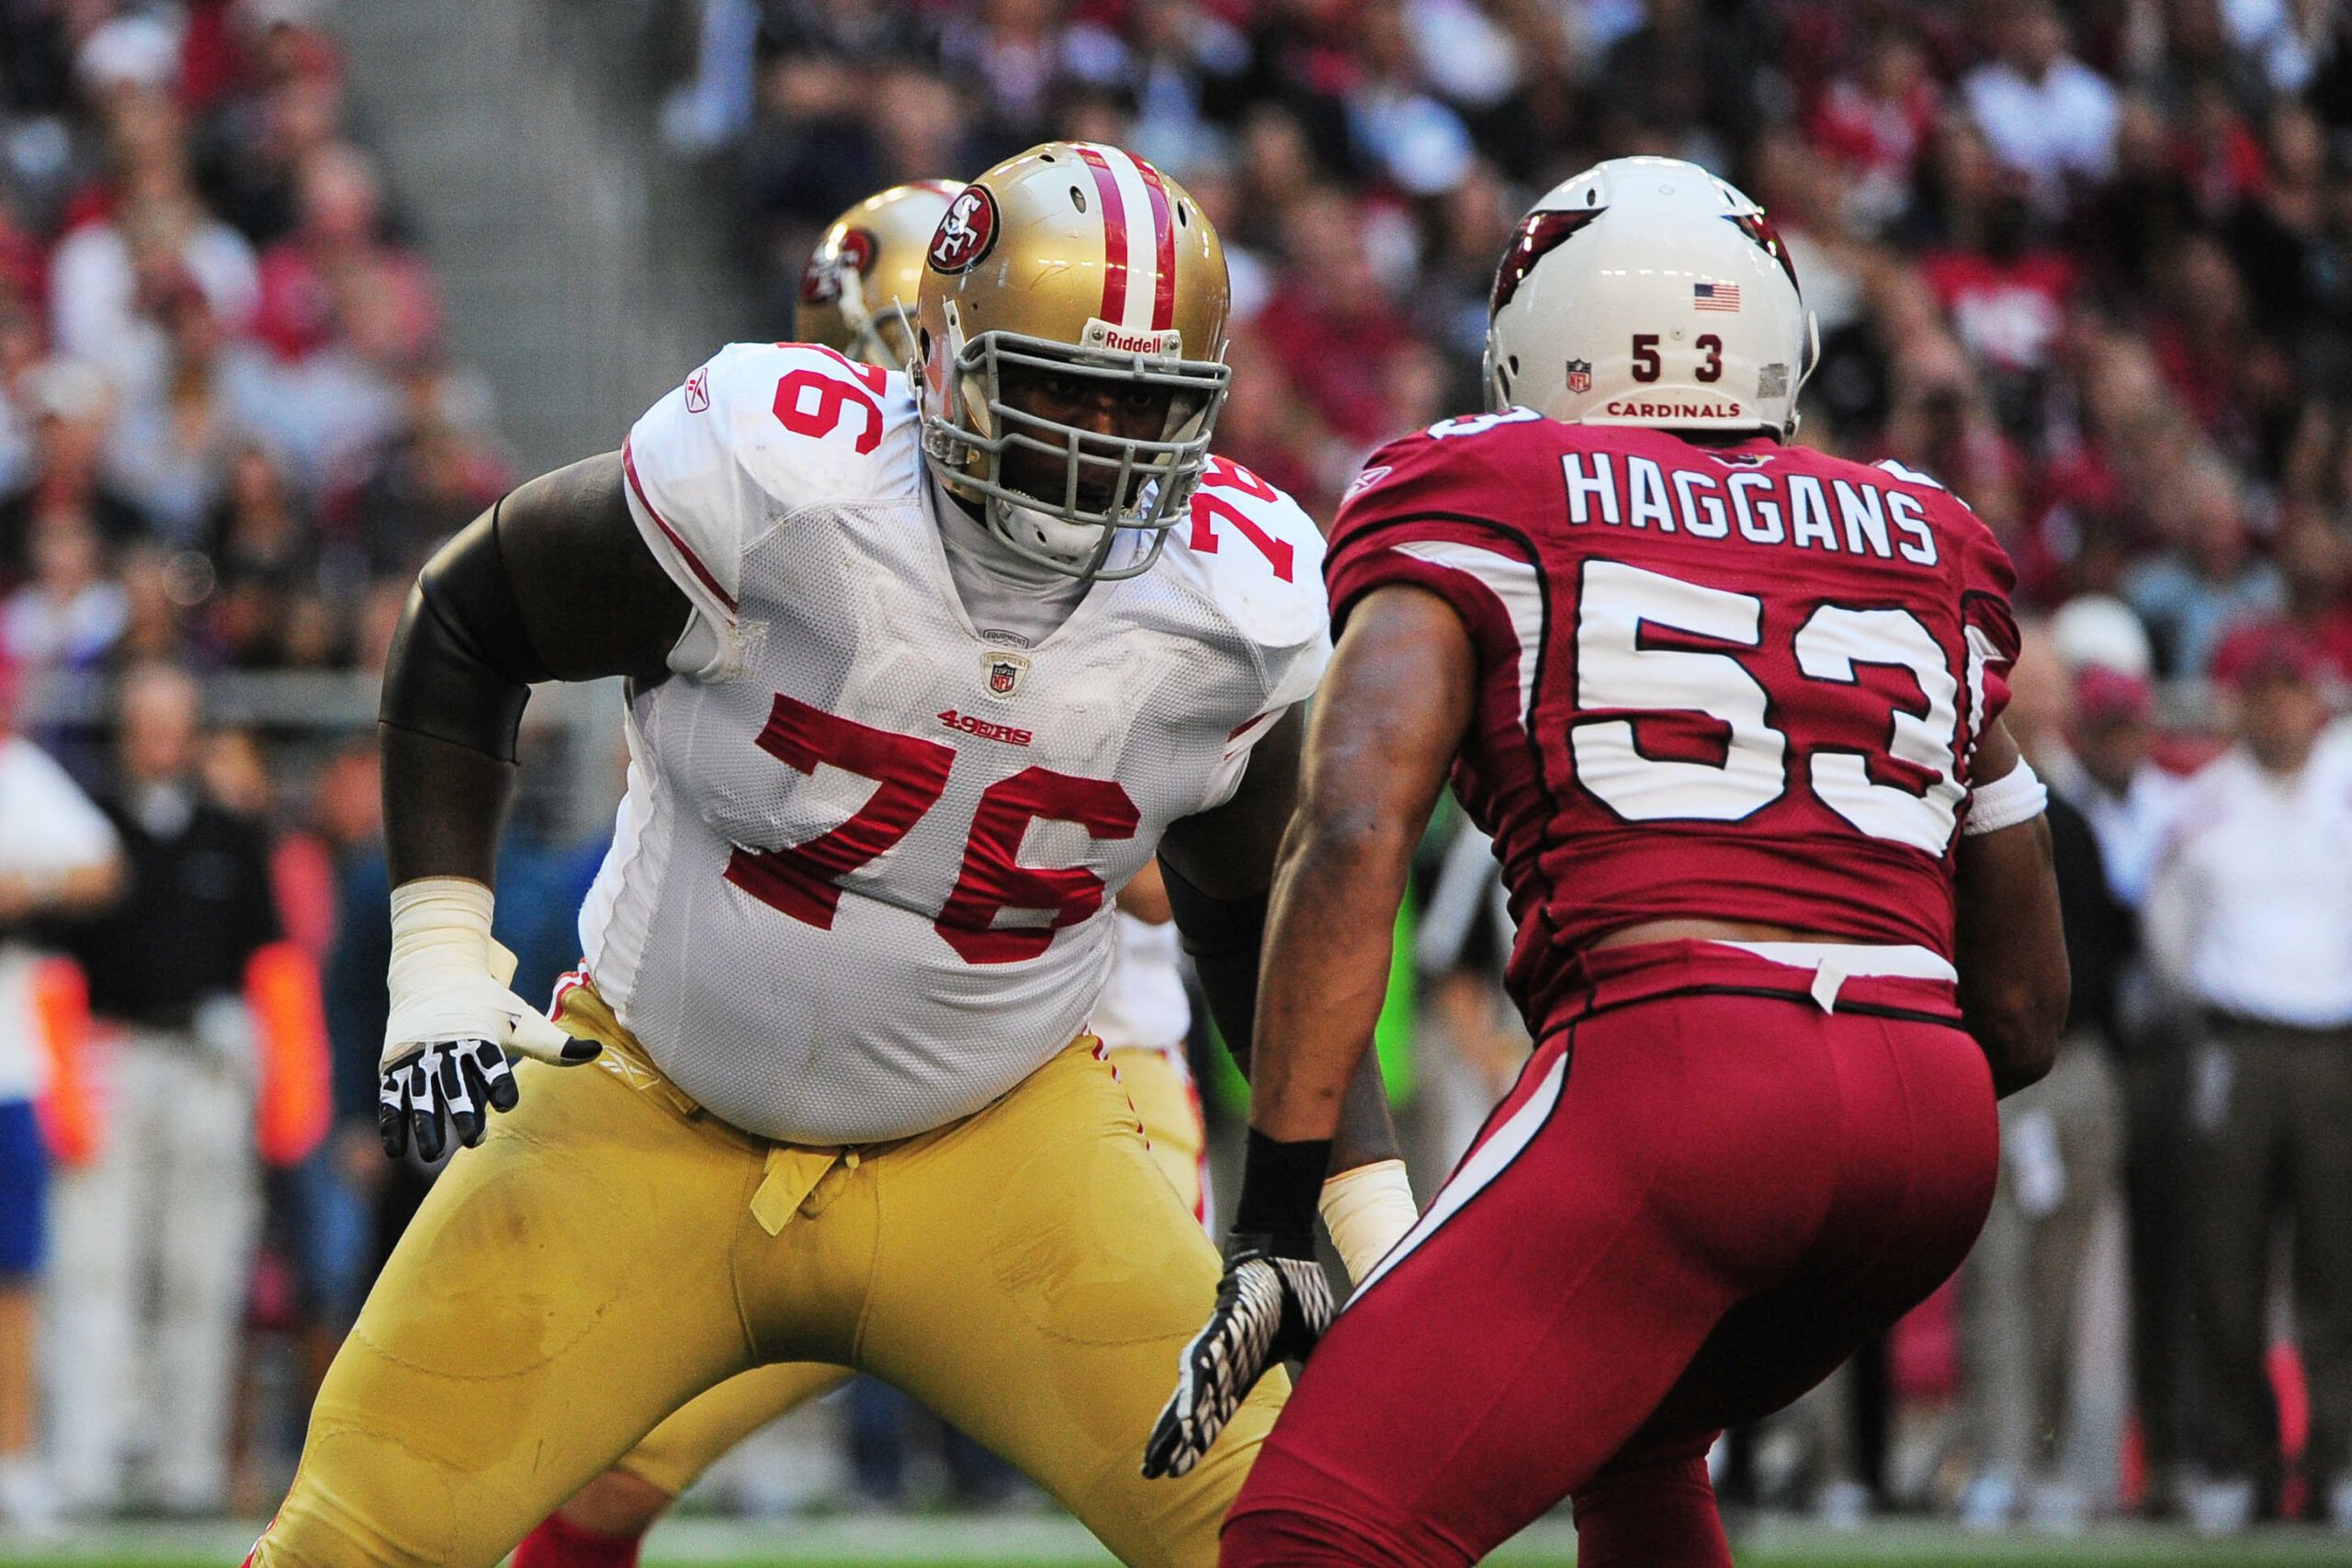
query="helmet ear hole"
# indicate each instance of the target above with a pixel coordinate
(1078, 198)
(1513, 363)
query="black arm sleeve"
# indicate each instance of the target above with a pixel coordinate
(461, 664)
(1223, 938)
(555, 584)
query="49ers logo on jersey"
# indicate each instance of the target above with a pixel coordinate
(967, 232)
(987, 729)
(1005, 671)
(820, 281)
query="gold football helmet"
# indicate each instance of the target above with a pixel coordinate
(858, 293)
(1071, 331)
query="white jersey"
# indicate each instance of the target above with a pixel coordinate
(1144, 1006)
(861, 883)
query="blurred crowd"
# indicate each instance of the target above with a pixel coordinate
(2086, 263)
(229, 432)
(2089, 264)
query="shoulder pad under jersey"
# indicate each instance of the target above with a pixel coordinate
(1473, 466)
(1259, 557)
(757, 433)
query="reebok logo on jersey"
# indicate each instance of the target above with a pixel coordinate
(984, 730)
(698, 391)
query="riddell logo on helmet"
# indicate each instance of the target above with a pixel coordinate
(1626, 407)
(1101, 333)
(967, 234)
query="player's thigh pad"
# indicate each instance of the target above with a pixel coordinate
(1036, 1279)
(564, 1286)
(1168, 1108)
(674, 1454)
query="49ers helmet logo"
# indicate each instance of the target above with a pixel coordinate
(820, 281)
(967, 232)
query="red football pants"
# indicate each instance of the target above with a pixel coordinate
(1695, 1203)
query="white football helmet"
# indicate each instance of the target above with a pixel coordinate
(1647, 291)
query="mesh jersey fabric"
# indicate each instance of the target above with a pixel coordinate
(861, 882)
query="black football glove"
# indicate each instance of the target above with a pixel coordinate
(449, 1085)
(445, 1040)
(1271, 1306)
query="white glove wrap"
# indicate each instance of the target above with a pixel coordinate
(2017, 795)
(1368, 1210)
(449, 979)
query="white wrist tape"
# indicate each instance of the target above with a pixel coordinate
(2016, 796)
(1368, 1210)
(448, 979)
(440, 948)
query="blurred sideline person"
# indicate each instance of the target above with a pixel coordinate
(1731, 709)
(156, 1235)
(2105, 772)
(59, 859)
(922, 672)
(2250, 918)
(2061, 1147)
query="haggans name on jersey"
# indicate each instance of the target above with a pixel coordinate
(1754, 499)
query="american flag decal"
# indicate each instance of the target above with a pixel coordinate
(1714, 295)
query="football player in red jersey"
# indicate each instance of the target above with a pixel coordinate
(1731, 711)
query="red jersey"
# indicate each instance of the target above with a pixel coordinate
(1738, 683)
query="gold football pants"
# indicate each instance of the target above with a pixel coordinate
(674, 1454)
(609, 1253)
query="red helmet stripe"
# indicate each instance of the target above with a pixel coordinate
(1163, 259)
(1114, 235)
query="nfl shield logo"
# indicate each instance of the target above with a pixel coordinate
(1004, 672)
(1579, 375)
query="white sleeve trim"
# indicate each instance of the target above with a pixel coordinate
(2017, 795)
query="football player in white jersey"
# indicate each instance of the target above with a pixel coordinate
(922, 671)
(856, 296)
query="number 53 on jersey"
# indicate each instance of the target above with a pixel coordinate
(1742, 683)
